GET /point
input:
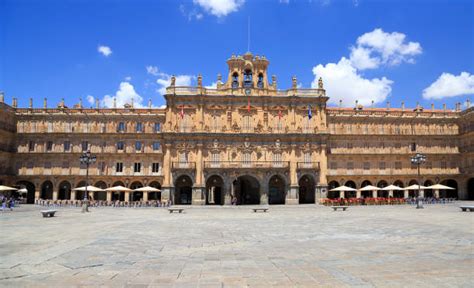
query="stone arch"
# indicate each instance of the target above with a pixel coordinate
(30, 195)
(412, 193)
(429, 192)
(276, 190)
(449, 193)
(100, 195)
(399, 183)
(64, 190)
(120, 196)
(331, 185)
(365, 183)
(155, 195)
(215, 190)
(136, 196)
(470, 189)
(382, 193)
(80, 194)
(46, 190)
(247, 190)
(350, 194)
(307, 189)
(183, 190)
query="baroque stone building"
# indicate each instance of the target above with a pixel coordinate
(244, 139)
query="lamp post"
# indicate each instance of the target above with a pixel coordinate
(418, 159)
(87, 158)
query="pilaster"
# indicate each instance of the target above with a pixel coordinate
(198, 196)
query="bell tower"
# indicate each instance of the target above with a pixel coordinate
(247, 71)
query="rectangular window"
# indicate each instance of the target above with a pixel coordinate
(103, 128)
(366, 165)
(333, 165)
(156, 146)
(350, 165)
(65, 165)
(139, 127)
(47, 165)
(157, 127)
(277, 159)
(50, 127)
(246, 124)
(137, 167)
(138, 146)
(120, 146)
(246, 159)
(84, 145)
(307, 157)
(382, 165)
(49, 146)
(183, 157)
(67, 146)
(119, 167)
(155, 168)
(398, 165)
(121, 127)
(102, 167)
(443, 165)
(31, 146)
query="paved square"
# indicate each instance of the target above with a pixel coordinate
(303, 246)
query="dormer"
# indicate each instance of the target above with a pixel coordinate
(247, 71)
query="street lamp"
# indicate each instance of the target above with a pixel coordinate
(418, 159)
(87, 158)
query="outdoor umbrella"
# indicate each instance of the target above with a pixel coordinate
(370, 188)
(89, 189)
(118, 189)
(343, 188)
(393, 188)
(438, 187)
(23, 191)
(7, 188)
(147, 189)
(415, 187)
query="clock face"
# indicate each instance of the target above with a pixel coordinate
(247, 91)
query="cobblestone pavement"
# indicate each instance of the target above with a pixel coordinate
(298, 246)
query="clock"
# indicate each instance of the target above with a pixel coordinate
(247, 91)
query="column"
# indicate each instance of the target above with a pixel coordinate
(390, 193)
(374, 194)
(166, 188)
(109, 196)
(422, 193)
(55, 195)
(358, 194)
(436, 193)
(291, 196)
(37, 194)
(73, 195)
(145, 196)
(127, 197)
(405, 194)
(198, 189)
(228, 194)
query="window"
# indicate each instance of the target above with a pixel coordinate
(382, 165)
(216, 123)
(307, 125)
(138, 146)
(235, 80)
(102, 167)
(366, 165)
(85, 145)
(246, 123)
(120, 146)
(119, 167)
(398, 146)
(366, 129)
(155, 167)
(139, 127)
(349, 128)
(443, 165)
(398, 165)
(333, 166)
(183, 159)
(307, 157)
(47, 165)
(157, 127)
(156, 146)
(68, 127)
(50, 127)
(65, 165)
(248, 79)
(67, 146)
(121, 127)
(137, 167)
(350, 165)
(277, 159)
(381, 129)
(31, 146)
(349, 145)
(49, 146)
(397, 129)
(215, 157)
(260, 81)
(246, 158)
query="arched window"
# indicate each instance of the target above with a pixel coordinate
(235, 80)
(260, 81)
(248, 79)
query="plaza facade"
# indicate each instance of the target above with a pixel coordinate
(244, 140)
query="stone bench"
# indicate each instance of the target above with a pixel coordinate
(340, 207)
(465, 208)
(260, 209)
(48, 213)
(176, 210)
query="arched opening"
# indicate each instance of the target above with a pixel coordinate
(382, 193)
(183, 190)
(398, 193)
(64, 192)
(470, 189)
(30, 195)
(365, 194)
(100, 195)
(80, 194)
(247, 190)
(248, 78)
(350, 194)
(136, 196)
(307, 188)
(215, 190)
(276, 190)
(260, 81)
(235, 80)
(46, 190)
(155, 195)
(333, 194)
(429, 192)
(412, 193)
(118, 196)
(449, 193)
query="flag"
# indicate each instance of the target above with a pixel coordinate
(248, 104)
(279, 114)
(181, 113)
(310, 114)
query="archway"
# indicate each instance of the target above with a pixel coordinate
(366, 194)
(100, 195)
(30, 195)
(276, 190)
(470, 189)
(136, 196)
(333, 194)
(80, 194)
(382, 193)
(398, 193)
(429, 192)
(215, 190)
(46, 190)
(155, 195)
(183, 190)
(449, 193)
(307, 189)
(412, 193)
(64, 192)
(247, 190)
(120, 196)
(350, 194)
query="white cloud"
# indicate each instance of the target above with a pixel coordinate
(343, 82)
(219, 8)
(124, 95)
(285, 1)
(164, 80)
(153, 70)
(449, 85)
(104, 50)
(90, 99)
(128, 78)
(379, 47)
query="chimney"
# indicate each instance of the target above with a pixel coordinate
(45, 103)
(357, 102)
(2, 97)
(15, 102)
(372, 105)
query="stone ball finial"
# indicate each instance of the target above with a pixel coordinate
(199, 80)
(15, 103)
(115, 102)
(294, 82)
(31, 103)
(149, 102)
(45, 103)
(173, 81)
(2, 97)
(320, 83)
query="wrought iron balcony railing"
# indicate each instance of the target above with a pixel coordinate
(183, 165)
(308, 165)
(246, 164)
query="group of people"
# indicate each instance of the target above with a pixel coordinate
(7, 202)
(102, 203)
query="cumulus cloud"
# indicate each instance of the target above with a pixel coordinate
(343, 82)
(219, 8)
(165, 80)
(449, 85)
(378, 47)
(153, 70)
(104, 50)
(90, 99)
(124, 95)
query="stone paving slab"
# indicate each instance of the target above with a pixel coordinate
(295, 246)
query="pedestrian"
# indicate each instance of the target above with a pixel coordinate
(4, 203)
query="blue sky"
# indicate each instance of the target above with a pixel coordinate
(412, 51)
